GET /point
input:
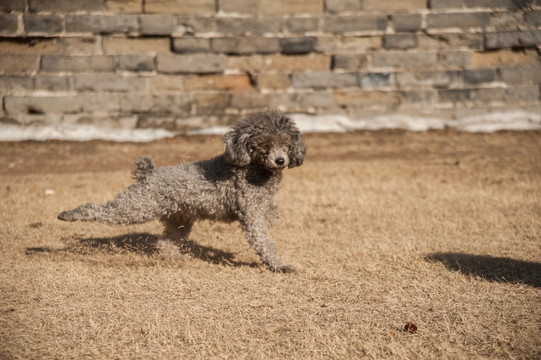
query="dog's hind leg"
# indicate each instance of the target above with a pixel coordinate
(174, 239)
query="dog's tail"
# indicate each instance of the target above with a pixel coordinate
(143, 167)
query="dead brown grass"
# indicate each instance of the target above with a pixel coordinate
(441, 229)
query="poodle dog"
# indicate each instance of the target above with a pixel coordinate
(238, 185)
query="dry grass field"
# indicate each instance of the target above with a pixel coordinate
(440, 229)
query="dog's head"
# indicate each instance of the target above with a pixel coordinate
(269, 138)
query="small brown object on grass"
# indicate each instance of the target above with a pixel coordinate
(410, 328)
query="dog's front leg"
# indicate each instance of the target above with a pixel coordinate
(256, 229)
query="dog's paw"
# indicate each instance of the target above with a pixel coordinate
(283, 268)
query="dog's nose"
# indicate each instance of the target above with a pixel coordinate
(280, 161)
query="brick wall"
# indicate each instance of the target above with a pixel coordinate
(180, 64)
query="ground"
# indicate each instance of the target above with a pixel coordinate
(441, 229)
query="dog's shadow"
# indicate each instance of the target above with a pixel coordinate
(144, 244)
(490, 268)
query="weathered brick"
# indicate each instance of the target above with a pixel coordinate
(273, 81)
(196, 63)
(302, 24)
(521, 75)
(521, 94)
(367, 99)
(77, 63)
(248, 101)
(349, 62)
(42, 104)
(180, 7)
(399, 41)
(52, 83)
(428, 79)
(497, 4)
(209, 103)
(406, 22)
(338, 6)
(162, 121)
(108, 82)
(280, 7)
(458, 20)
(533, 17)
(62, 6)
(165, 83)
(125, 6)
(176, 104)
(245, 45)
(10, 84)
(324, 79)
(297, 63)
(245, 64)
(376, 80)
(18, 64)
(157, 24)
(8, 24)
(510, 39)
(471, 95)
(12, 5)
(347, 44)
(135, 62)
(406, 60)
(455, 59)
(101, 103)
(195, 26)
(425, 97)
(43, 23)
(218, 82)
(248, 26)
(479, 76)
(505, 58)
(340, 24)
(188, 45)
(393, 6)
(135, 46)
(445, 4)
(295, 46)
(451, 40)
(506, 20)
(238, 6)
(102, 24)
(39, 46)
(316, 99)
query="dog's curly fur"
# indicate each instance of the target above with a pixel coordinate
(238, 185)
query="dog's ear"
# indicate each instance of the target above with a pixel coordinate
(297, 152)
(236, 147)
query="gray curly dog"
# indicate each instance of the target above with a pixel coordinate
(238, 185)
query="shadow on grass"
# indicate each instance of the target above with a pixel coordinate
(490, 268)
(142, 244)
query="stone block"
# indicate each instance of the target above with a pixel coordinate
(428, 79)
(248, 26)
(196, 63)
(445, 4)
(99, 103)
(18, 64)
(498, 4)
(50, 24)
(394, 6)
(189, 45)
(376, 80)
(192, 26)
(513, 39)
(348, 44)
(354, 23)
(349, 62)
(165, 83)
(479, 76)
(180, 7)
(99, 24)
(299, 45)
(157, 24)
(423, 97)
(404, 60)
(399, 41)
(455, 59)
(289, 7)
(218, 82)
(160, 104)
(316, 99)
(124, 6)
(533, 18)
(97, 63)
(250, 101)
(63, 6)
(42, 104)
(339, 6)
(135, 62)
(108, 82)
(406, 22)
(238, 6)
(245, 45)
(12, 5)
(10, 84)
(485, 95)
(520, 74)
(52, 83)
(209, 103)
(9, 24)
(324, 79)
(522, 94)
(135, 46)
(296, 63)
(367, 99)
(505, 57)
(273, 81)
(448, 41)
(302, 25)
(245, 64)
(458, 20)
